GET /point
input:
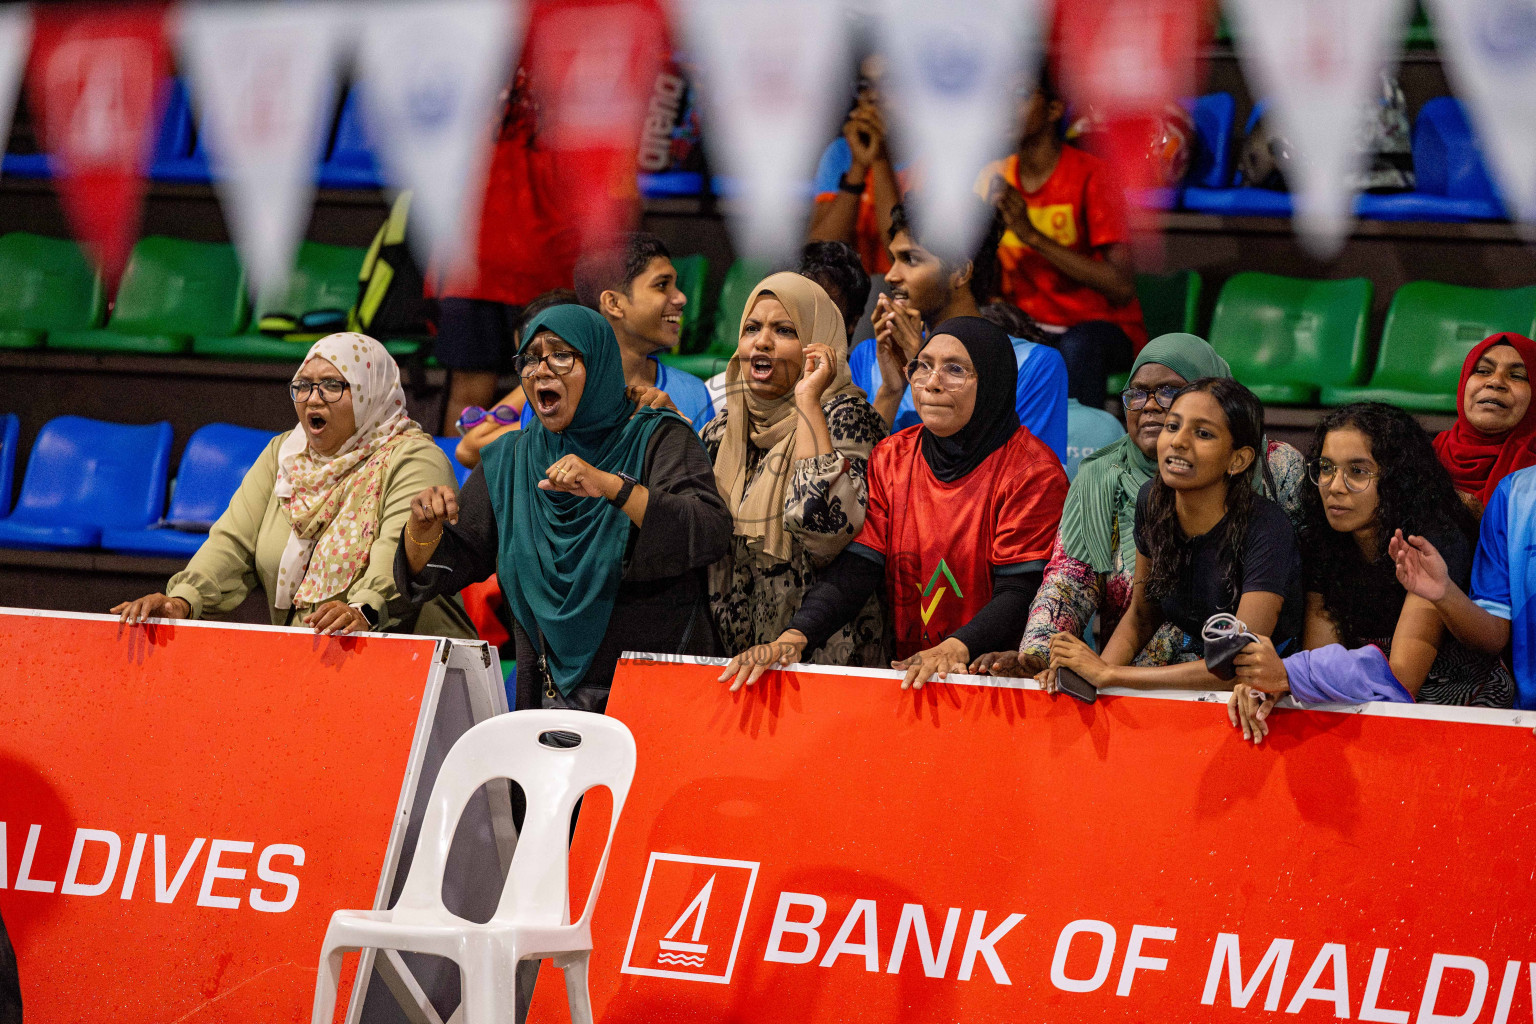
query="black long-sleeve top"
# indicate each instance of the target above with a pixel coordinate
(663, 599)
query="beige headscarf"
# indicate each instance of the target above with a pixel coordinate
(770, 426)
(332, 502)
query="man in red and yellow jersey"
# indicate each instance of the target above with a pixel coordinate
(1066, 256)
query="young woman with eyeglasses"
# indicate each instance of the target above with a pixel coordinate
(1206, 544)
(1093, 562)
(1374, 473)
(962, 509)
(316, 520)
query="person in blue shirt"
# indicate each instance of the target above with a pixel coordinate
(1500, 612)
(634, 286)
(927, 288)
(1088, 430)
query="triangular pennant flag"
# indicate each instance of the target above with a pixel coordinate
(15, 39)
(263, 81)
(1317, 63)
(954, 76)
(96, 80)
(1491, 56)
(592, 64)
(773, 75)
(431, 74)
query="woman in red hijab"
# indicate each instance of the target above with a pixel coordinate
(1495, 433)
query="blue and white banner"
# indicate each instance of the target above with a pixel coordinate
(957, 75)
(1490, 51)
(432, 73)
(773, 77)
(1318, 64)
(263, 81)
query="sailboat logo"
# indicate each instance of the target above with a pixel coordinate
(689, 920)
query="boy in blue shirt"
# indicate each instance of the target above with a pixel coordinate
(926, 289)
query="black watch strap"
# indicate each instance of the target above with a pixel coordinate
(622, 498)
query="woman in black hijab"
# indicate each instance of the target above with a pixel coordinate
(962, 514)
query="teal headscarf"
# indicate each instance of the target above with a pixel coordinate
(1101, 506)
(560, 557)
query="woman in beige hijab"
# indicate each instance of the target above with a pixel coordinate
(790, 451)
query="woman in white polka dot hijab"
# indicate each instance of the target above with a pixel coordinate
(318, 519)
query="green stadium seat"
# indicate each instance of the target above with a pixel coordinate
(740, 279)
(1286, 337)
(46, 285)
(1169, 302)
(702, 365)
(1429, 331)
(692, 271)
(171, 292)
(324, 277)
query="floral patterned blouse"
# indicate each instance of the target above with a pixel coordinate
(823, 511)
(1072, 592)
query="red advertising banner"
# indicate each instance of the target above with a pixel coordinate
(183, 805)
(95, 83)
(828, 848)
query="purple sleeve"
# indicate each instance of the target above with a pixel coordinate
(1336, 675)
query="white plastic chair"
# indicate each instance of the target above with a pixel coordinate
(532, 920)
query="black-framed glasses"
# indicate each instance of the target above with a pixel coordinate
(561, 362)
(1356, 477)
(1135, 399)
(950, 376)
(331, 389)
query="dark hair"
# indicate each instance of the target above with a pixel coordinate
(1168, 549)
(1045, 82)
(1016, 322)
(548, 300)
(986, 271)
(837, 268)
(1413, 494)
(615, 268)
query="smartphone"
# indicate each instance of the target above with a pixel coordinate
(1074, 685)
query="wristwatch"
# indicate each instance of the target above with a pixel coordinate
(853, 190)
(622, 498)
(368, 613)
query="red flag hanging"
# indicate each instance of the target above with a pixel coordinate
(593, 64)
(1126, 63)
(95, 84)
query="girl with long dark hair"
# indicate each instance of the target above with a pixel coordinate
(1206, 544)
(1366, 637)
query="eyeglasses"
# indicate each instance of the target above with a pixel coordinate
(1136, 398)
(950, 376)
(474, 415)
(331, 389)
(1356, 478)
(561, 362)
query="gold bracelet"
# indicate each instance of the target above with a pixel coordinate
(421, 543)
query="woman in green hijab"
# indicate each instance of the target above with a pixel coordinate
(599, 520)
(1094, 559)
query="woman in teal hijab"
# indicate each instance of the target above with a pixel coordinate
(1094, 559)
(599, 521)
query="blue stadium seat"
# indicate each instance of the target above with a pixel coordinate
(85, 476)
(173, 139)
(1229, 198)
(1452, 180)
(215, 462)
(10, 437)
(1214, 115)
(671, 184)
(351, 163)
(179, 154)
(449, 445)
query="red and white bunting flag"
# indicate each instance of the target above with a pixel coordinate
(773, 77)
(1318, 63)
(1491, 59)
(97, 80)
(263, 81)
(15, 40)
(956, 73)
(592, 65)
(431, 73)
